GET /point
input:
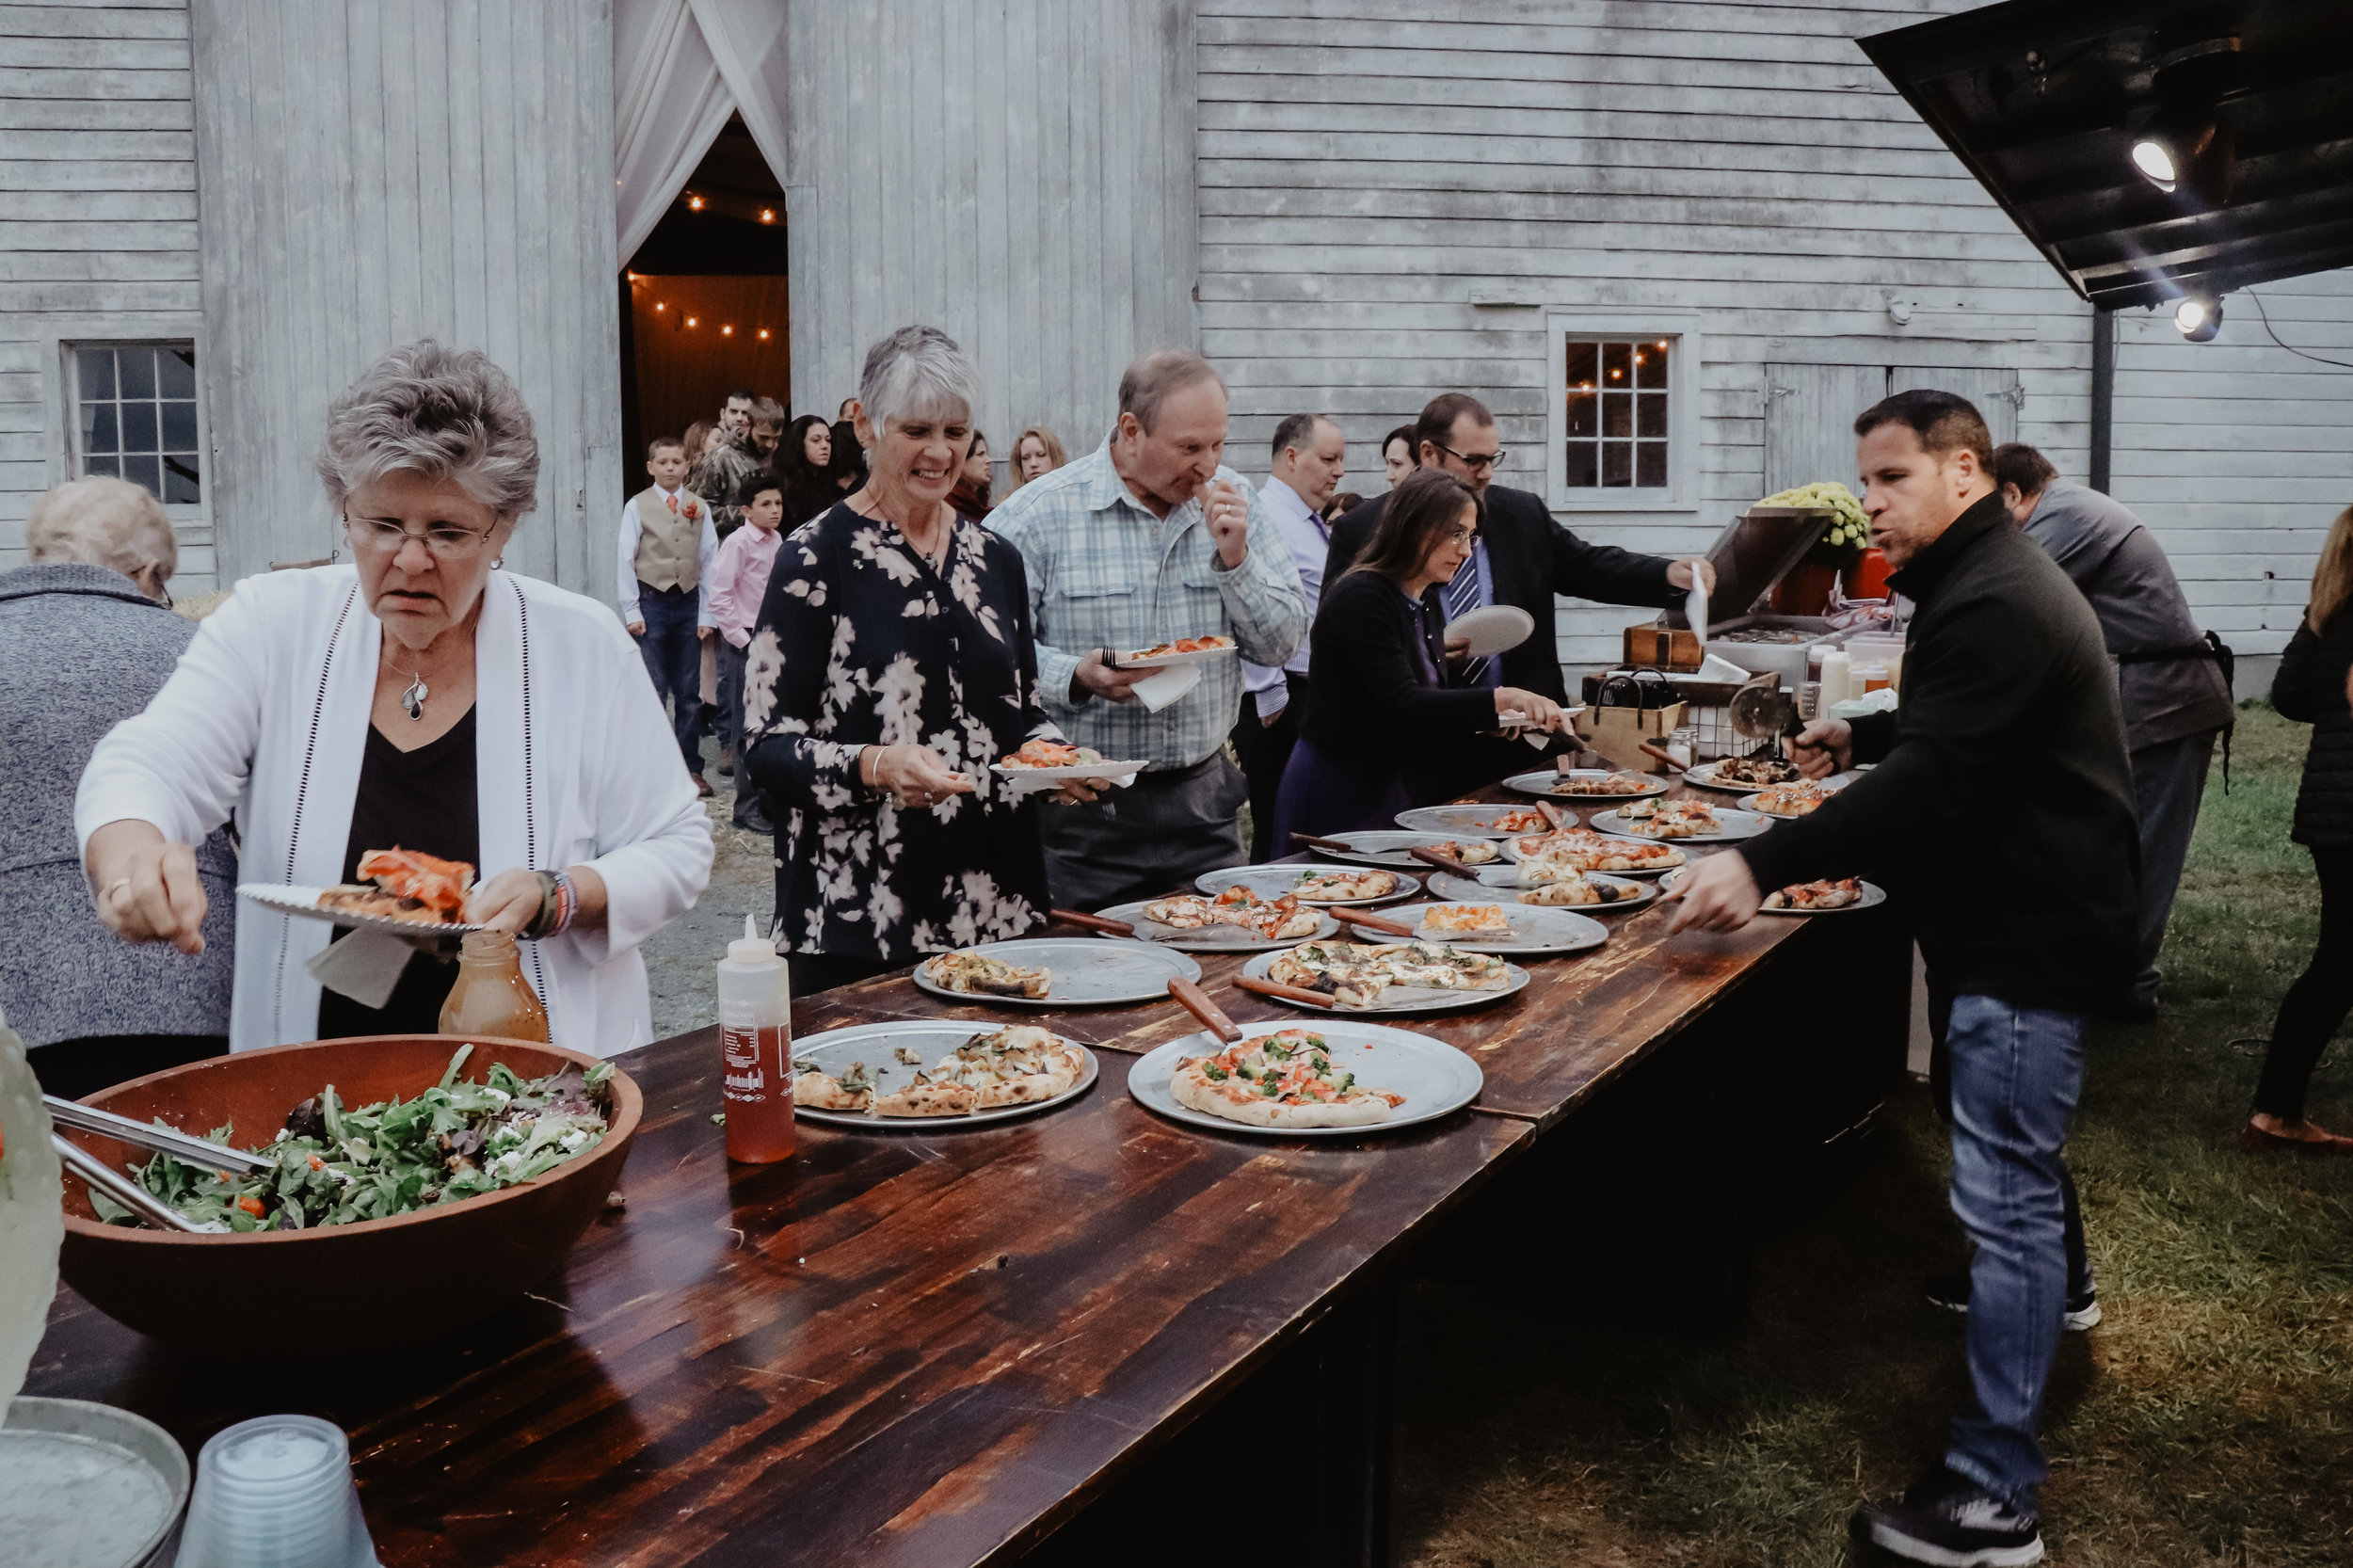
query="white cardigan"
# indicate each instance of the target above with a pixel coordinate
(268, 714)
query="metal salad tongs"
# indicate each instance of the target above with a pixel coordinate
(145, 1135)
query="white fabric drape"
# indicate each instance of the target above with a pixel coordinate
(679, 68)
(669, 105)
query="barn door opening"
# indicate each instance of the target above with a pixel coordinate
(705, 302)
(1810, 412)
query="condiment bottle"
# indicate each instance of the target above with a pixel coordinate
(1873, 677)
(1838, 684)
(491, 995)
(756, 1042)
(1682, 745)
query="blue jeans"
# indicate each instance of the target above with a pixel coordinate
(2015, 1074)
(674, 656)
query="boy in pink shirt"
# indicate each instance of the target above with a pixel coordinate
(738, 581)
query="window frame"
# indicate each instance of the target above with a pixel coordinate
(60, 407)
(1686, 356)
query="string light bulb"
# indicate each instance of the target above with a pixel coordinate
(659, 306)
(763, 334)
(691, 321)
(695, 202)
(767, 215)
(728, 332)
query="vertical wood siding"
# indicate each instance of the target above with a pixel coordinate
(1372, 168)
(376, 173)
(1018, 173)
(2239, 455)
(97, 220)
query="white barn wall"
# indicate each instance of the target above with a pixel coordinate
(375, 173)
(1018, 173)
(98, 223)
(1368, 170)
(2237, 453)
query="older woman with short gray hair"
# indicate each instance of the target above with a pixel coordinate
(891, 669)
(418, 698)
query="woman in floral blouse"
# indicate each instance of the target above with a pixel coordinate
(891, 665)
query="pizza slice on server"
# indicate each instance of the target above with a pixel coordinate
(1281, 1079)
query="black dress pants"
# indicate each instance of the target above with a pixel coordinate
(2317, 1004)
(1263, 749)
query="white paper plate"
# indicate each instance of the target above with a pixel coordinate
(1272, 882)
(304, 901)
(1495, 628)
(930, 1038)
(1400, 999)
(1873, 896)
(1381, 846)
(1547, 784)
(1086, 971)
(1505, 888)
(1736, 825)
(1166, 660)
(1208, 939)
(1022, 781)
(1471, 821)
(1436, 1078)
(1535, 928)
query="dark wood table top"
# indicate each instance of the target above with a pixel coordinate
(914, 1347)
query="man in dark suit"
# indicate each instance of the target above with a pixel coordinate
(1522, 557)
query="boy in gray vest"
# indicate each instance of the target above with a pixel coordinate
(667, 546)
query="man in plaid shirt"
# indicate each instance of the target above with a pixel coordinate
(1146, 539)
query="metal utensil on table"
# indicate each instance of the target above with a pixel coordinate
(1373, 922)
(1094, 922)
(1553, 814)
(1286, 993)
(122, 1189)
(1433, 857)
(1333, 844)
(156, 1140)
(1193, 1000)
(1763, 711)
(1661, 753)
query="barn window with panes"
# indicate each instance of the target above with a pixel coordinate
(135, 416)
(1616, 424)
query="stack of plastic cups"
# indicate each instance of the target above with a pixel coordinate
(275, 1492)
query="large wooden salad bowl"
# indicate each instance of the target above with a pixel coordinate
(334, 1290)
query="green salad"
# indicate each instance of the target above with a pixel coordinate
(337, 1165)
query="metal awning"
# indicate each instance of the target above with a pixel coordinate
(2043, 101)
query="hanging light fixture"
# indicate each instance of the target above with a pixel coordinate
(2185, 144)
(767, 215)
(2198, 317)
(695, 202)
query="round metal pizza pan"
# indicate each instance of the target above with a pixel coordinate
(1545, 929)
(1436, 1078)
(1208, 939)
(1704, 778)
(1385, 846)
(1736, 825)
(1468, 822)
(1548, 785)
(1873, 896)
(930, 1038)
(1273, 881)
(304, 902)
(1506, 889)
(1086, 971)
(1401, 999)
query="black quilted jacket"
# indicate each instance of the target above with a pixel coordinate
(2309, 689)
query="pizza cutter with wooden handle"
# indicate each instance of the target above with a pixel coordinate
(1094, 922)
(1196, 1001)
(1286, 993)
(1332, 846)
(1433, 857)
(1552, 814)
(1374, 923)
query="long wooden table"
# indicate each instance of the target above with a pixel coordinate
(923, 1347)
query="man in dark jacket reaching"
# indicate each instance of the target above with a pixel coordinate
(2002, 785)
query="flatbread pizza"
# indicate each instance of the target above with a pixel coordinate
(1273, 919)
(1342, 887)
(1816, 895)
(976, 974)
(1286, 1079)
(1544, 856)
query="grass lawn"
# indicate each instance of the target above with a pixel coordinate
(2209, 1420)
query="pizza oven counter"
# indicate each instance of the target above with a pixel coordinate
(931, 1347)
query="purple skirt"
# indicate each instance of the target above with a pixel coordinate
(1325, 794)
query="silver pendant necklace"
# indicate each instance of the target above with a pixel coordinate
(413, 699)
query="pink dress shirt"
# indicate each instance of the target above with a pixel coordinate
(739, 580)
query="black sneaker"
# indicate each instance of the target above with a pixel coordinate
(1950, 1293)
(750, 818)
(1950, 1520)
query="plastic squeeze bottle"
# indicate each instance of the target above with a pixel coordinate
(491, 995)
(755, 1039)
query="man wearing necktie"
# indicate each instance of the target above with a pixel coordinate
(1524, 559)
(1310, 457)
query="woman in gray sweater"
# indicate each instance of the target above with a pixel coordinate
(87, 637)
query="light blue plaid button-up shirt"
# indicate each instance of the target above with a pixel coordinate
(1104, 572)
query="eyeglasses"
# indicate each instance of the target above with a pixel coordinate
(447, 542)
(1462, 535)
(1473, 459)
